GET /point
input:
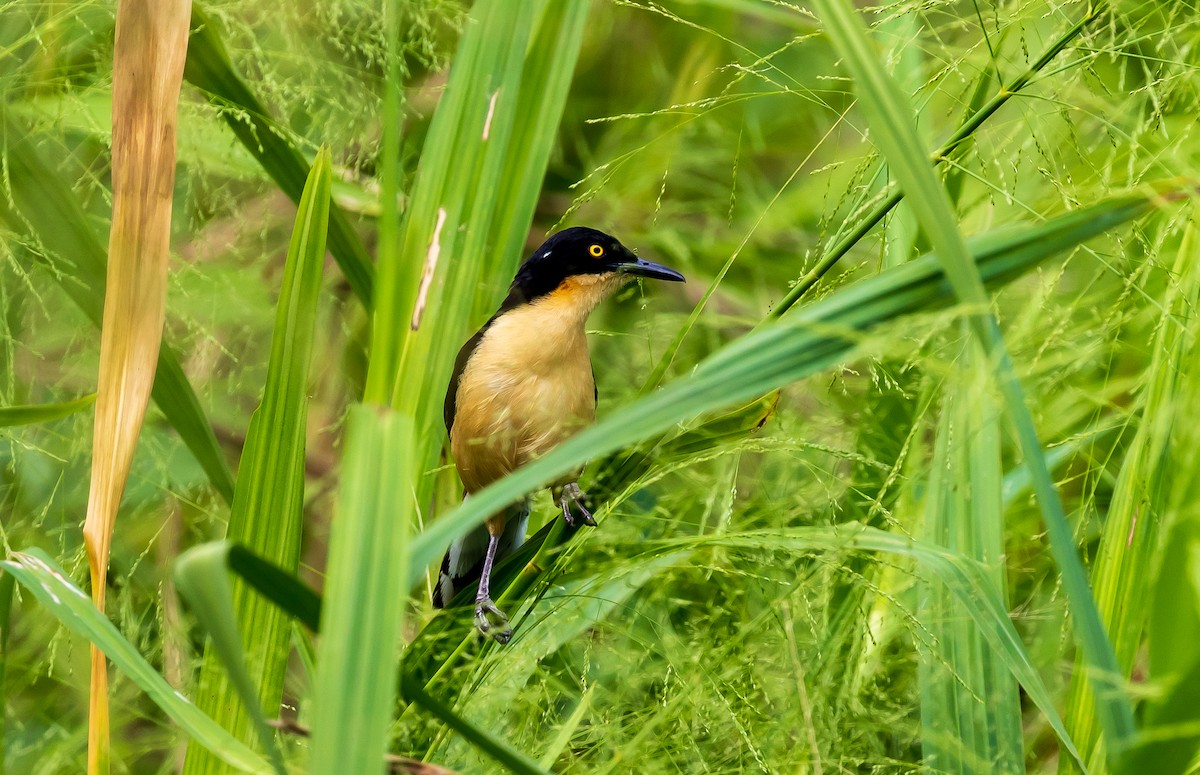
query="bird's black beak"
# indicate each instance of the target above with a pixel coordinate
(643, 268)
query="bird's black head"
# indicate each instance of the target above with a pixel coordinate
(579, 251)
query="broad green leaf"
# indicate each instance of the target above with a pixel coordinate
(49, 583)
(282, 588)
(39, 413)
(892, 124)
(361, 619)
(268, 504)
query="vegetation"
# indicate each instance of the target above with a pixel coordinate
(892, 484)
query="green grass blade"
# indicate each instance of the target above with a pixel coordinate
(1170, 736)
(45, 207)
(7, 590)
(210, 69)
(545, 82)
(388, 251)
(283, 589)
(953, 146)
(362, 616)
(803, 343)
(268, 505)
(411, 319)
(38, 413)
(49, 583)
(892, 124)
(1133, 527)
(970, 710)
(493, 746)
(299, 601)
(202, 578)
(477, 184)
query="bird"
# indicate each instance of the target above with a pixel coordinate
(523, 384)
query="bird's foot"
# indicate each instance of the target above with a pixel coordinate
(491, 621)
(571, 494)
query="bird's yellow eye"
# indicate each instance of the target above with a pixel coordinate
(596, 251)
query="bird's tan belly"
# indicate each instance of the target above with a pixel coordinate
(508, 416)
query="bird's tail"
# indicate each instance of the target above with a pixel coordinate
(463, 563)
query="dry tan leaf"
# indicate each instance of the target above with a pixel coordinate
(151, 45)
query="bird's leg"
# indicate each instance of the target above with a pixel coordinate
(571, 494)
(489, 619)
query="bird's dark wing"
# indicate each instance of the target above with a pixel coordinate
(460, 365)
(516, 297)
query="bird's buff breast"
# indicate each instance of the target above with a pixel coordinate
(527, 387)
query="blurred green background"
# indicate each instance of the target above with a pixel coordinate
(722, 139)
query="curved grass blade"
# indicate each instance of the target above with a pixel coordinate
(203, 580)
(39, 413)
(268, 506)
(44, 206)
(38, 573)
(811, 339)
(210, 69)
(893, 129)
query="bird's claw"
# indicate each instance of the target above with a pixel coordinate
(571, 494)
(491, 621)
